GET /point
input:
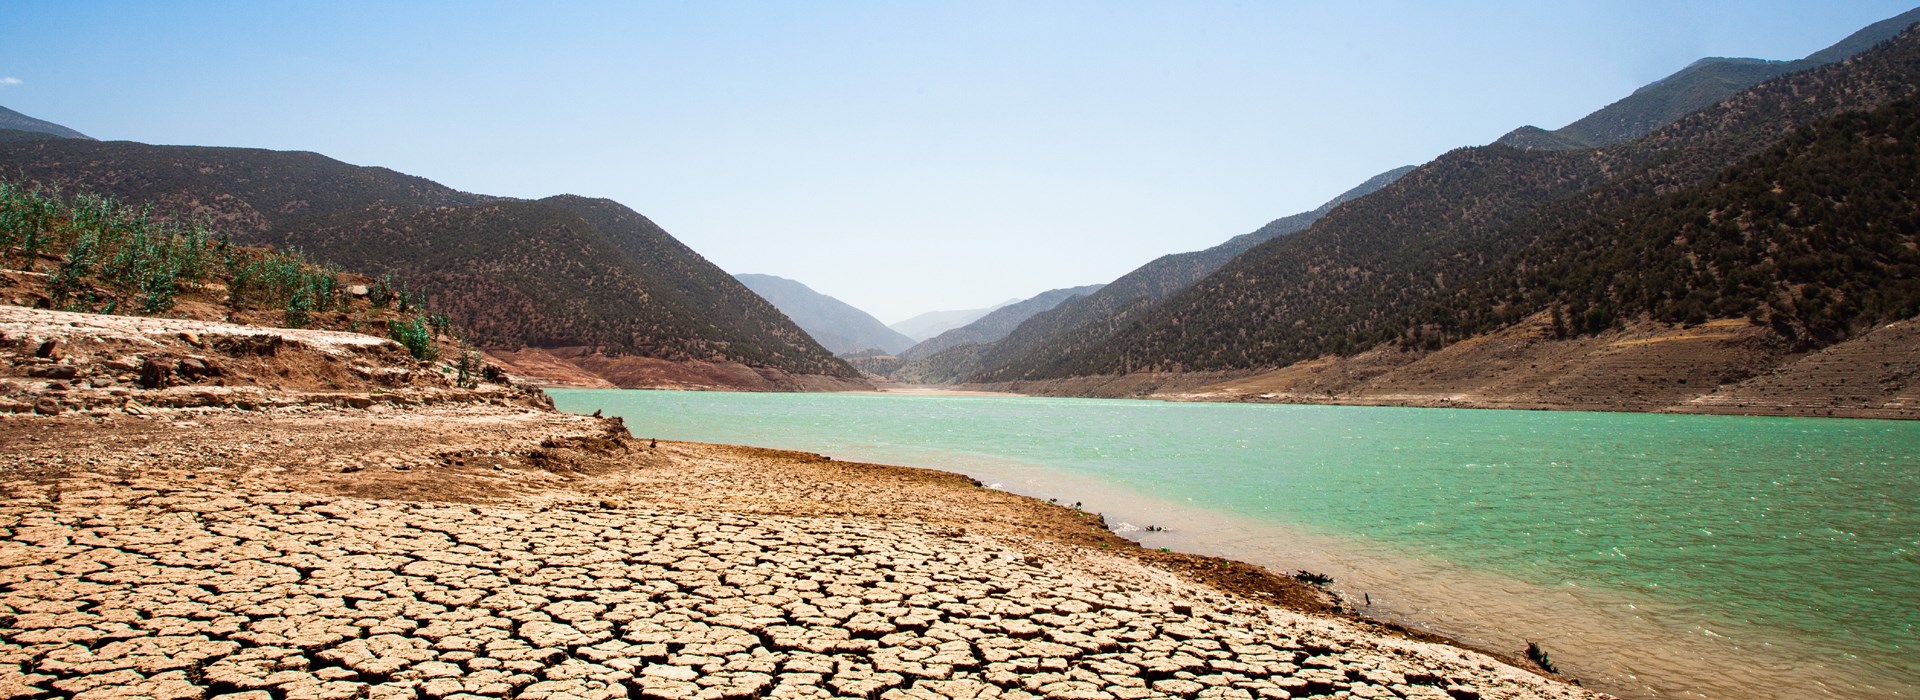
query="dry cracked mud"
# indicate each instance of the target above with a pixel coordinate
(224, 559)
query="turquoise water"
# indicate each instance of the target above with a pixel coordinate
(1664, 555)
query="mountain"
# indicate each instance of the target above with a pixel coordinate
(1084, 321)
(1693, 88)
(998, 323)
(1744, 209)
(934, 323)
(572, 285)
(16, 121)
(835, 324)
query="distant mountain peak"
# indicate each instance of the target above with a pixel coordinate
(932, 323)
(835, 324)
(1699, 85)
(10, 119)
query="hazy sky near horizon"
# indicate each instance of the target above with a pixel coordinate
(901, 156)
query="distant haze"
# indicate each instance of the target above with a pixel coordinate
(902, 157)
(931, 323)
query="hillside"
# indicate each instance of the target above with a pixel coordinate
(16, 121)
(589, 279)
(1790, 204)
(835, 324)
(1691, 89)
(1094, 318)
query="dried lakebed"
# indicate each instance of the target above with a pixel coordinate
(308, 552)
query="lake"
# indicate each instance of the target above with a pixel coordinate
(1651, 555)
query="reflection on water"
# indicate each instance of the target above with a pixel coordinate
(1653, 556)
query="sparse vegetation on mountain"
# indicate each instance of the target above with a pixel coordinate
(1366, 273)
(560, 272)
(1817, 237)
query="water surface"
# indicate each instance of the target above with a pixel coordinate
(1653, 555)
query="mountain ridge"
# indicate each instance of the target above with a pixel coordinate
(1388, 271)
(16, 121)
(929, 324)
(838, 326)
(556, 273)
(1695, 87)
(997, 323)
(1088, 319)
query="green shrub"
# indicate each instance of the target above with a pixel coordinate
(416, 335)
(470, 368)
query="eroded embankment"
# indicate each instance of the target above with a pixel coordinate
(1722, 367)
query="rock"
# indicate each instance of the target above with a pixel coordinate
(156, 373)
(198, 368)
(46, 407)
(54, 372)
(50, 350)
(264, 344)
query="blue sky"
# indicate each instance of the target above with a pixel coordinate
(902, 156)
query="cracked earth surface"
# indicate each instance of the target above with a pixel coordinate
(488, 552)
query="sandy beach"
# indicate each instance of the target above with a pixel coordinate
(438, 544)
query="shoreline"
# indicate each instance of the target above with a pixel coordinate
(1598, 632)
(1432, 401)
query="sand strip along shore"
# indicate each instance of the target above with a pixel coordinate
(482, 550)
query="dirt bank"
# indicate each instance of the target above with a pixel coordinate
(584, 368)
(1721, 367)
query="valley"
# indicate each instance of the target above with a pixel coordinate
(279, 426)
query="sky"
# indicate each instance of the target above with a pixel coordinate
(903, 156)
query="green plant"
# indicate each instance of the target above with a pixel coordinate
(381, 293)
(415, 334)
(470, 368)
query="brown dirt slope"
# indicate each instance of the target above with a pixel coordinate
(1722, 366)
(55, 361)
(1875, 375)
(583, 367)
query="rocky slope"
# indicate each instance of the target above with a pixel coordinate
(835, 324)
(560, 273)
